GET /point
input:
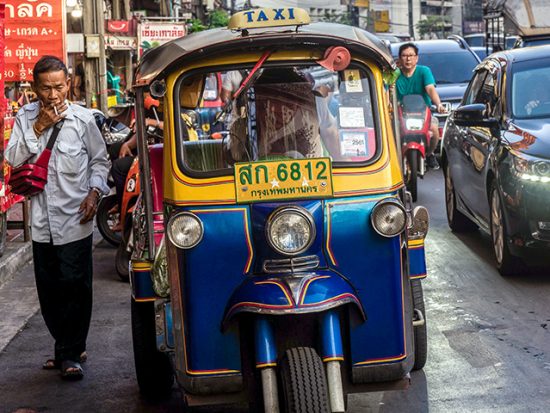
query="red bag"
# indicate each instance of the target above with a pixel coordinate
(31, 178)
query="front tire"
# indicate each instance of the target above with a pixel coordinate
(507, 264)
(304, 383)
(458, 222)
(411, 173)
(154, 371)
(3, 231)
(420, 332)
(106, 221)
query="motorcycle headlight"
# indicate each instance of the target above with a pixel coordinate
(388, 218)
(185, 230)
(290, 230)
(414, 124)
(531, 169)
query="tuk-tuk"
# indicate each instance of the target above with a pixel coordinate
(277, 260)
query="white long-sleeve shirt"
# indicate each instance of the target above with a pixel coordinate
(77, 164)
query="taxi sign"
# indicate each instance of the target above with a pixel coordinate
(281, 180)
(268, 17)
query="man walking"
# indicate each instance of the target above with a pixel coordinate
(62, 215)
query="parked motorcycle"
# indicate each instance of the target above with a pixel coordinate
(415, 120)
(108, 216)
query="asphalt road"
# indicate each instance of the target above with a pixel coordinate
(489, 339)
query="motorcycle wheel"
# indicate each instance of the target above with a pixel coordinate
(420, 332)
(3, 231)
(154, 371)
(411, 173)
(458, 222)
(106, 221)
(304, 382)
(122, 258)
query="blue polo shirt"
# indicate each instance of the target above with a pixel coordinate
(415, 84)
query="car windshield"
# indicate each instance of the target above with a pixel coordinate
(531, 89)
(288, 112)
(448, 68)
(536, 42)
(475, 39)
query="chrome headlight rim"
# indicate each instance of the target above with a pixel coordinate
(298, 211)
(171, 222)
(383, 203)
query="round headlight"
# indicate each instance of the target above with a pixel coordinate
(388, 218)
(290, 231)
(185, 230)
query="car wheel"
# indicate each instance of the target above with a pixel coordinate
(458, 222)
(507, 264)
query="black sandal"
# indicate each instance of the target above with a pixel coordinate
(53, 364)
(71, 370)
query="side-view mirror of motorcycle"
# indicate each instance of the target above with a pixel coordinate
(473, 115)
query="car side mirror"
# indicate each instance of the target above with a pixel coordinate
(473, 115)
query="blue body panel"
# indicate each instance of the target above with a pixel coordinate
(417, 262)
(142, 286)
(220, 278)
(373, 267)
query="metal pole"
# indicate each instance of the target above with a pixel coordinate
(411, 21)
(90, 64)
(102, 75)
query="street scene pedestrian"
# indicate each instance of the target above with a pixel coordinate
(416, 79)
(62, 215)
(259, 206)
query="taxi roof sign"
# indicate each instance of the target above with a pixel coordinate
(268, 17)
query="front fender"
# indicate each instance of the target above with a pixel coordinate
(292, 294)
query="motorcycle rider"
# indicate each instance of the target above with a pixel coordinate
(416, 79)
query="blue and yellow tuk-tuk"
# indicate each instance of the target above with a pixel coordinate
(276, 260)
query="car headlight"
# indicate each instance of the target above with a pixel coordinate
(185, 230)
(290, 230)
(414, 123)
(531, 169)
(388, 218)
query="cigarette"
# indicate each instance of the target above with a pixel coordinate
(55, 110)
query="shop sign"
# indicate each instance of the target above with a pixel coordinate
(118, 26)
(121, 42)
(32, 29)
(151, 35)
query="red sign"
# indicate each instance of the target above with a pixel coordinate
(33, 28)
(118, 26)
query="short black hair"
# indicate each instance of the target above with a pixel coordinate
(406, 46)
(49, 64)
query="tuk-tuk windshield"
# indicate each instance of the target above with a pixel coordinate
(286, 112)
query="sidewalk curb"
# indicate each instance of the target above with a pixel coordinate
(16, 256)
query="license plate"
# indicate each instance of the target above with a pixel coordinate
(283, 180)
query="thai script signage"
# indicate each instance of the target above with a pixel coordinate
(121, 42)
(151, 35)
(33, 28)
(280, 180)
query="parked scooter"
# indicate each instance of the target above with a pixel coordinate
(108, 216)
(415, 120)
(130, 197)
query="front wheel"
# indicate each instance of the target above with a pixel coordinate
(411, 173)
(107, 219)
(304, 382)
(3, 231)
(154, 370)
(420, 332)
(507, 264)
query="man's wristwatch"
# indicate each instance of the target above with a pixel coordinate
(97, 192)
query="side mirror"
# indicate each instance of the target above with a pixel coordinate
(473, 115)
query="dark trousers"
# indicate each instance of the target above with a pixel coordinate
(64, 283)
